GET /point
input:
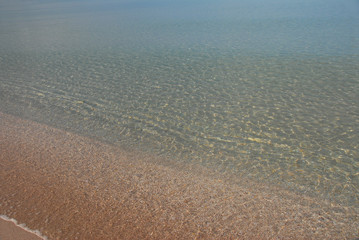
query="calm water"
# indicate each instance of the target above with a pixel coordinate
(263, 89)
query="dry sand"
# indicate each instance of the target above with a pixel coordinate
(72, 187)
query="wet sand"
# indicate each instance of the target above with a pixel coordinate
(72, 187)
(9, 230)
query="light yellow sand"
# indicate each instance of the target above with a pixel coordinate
(72, 187)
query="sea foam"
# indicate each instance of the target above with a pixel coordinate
(23, 226)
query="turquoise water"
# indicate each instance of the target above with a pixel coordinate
(263, 89)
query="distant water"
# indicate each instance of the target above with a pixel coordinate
(263, 89)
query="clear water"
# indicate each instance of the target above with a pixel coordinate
(263, 89)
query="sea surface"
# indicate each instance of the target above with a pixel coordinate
(267, 90)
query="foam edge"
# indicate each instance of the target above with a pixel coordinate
(23, 226)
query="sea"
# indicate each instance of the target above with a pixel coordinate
(262, 89)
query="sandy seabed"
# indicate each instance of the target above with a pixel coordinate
(73, 187)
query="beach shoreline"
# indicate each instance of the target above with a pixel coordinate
(71, 187)
(10, 230)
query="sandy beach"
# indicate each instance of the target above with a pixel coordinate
(10, 230)
(72, 187)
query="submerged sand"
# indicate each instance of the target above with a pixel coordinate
(72, 187)
(10, 230)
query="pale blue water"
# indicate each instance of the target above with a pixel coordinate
(263, 89)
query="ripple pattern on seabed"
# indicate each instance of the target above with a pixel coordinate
(292, 122)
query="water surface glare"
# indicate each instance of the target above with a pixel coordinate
(266, 91)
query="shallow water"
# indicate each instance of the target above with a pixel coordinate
(263, 90)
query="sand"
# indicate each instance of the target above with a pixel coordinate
(72, 187)
(10, 230)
